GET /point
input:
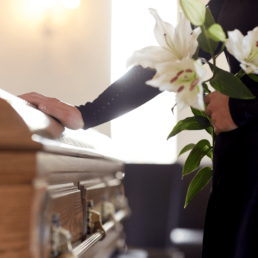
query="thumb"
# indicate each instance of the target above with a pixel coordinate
(216, 131)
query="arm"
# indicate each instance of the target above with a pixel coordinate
(243, 111)
(124, 95)
(129, 92)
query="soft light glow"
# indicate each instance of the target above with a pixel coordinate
(186, 236)
(141, 135)
(47, 3)
(71, 4)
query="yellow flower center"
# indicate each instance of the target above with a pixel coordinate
(185, 77)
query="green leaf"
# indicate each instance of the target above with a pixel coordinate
(253, 76)
(205, 42)
(210, 154)
(209, 130)
(201, 179)
(194, 10)
(228, 84)
(186, 148)
(192, 162)
(190, 123)
(196, 112)
(216, 33)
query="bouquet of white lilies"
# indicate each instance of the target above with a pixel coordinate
(178, 69)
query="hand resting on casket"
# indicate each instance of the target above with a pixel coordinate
(67, 114)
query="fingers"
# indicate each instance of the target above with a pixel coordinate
(33, 98)
(52, 108)
(207, 100)
(208, 112)
(67, 114)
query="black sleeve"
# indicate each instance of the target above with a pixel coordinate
(129, 92)
(243, 111)
(124, 95)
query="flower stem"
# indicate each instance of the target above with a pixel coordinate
(240, 74)
(221, 50)
(211, 51)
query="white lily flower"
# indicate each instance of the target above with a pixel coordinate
(244, 49)
(175, 43)
(183, 77)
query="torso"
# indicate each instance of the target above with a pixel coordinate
(232, 216)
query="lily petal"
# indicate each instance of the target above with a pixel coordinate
(247, 44)
(234, 44)
(149, 57)
(185, 39)
(163, 31)
(162, 82)
(244, 49)
(190, 98)
(193, 42)
(199, 68)
(183, 77)
(250, 41)
(248, 69)
(182, 35)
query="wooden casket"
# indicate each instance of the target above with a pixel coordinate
(59, 195)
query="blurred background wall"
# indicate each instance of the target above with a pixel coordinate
(54, 50)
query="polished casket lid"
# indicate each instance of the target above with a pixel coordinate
(25, 127)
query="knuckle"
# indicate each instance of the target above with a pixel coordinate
(51, 101)
(54, 100)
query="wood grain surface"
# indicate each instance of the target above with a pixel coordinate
(39, 178)
(15, 219)
(66, 201)
(17, 167)
(14, 133)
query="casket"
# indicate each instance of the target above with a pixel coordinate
(61, 191)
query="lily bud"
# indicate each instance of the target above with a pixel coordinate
(216, 33)
(194, 10)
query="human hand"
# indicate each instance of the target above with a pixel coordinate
(67, 114)
(218, 111)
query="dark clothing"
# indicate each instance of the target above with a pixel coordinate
(231, 227)
(124, 95)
